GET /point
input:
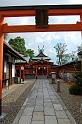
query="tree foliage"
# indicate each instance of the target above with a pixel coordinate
(18, 44)
(30, 53)
(79, 48)
(78, 75)
(61, 55)
(73, 56)
(76, 88)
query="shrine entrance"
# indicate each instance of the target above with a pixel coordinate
(41, 14)
(41, 71)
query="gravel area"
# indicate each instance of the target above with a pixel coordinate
(12, 103)
(72, 102)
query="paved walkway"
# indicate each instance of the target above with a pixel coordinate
(43, 106)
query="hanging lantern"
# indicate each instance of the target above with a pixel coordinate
(44, 67)
(39, 68)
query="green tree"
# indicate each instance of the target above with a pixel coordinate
(62, 57)
(76, 88)
(30, 53)
(79, 48)
(73, 56)
(18, 44)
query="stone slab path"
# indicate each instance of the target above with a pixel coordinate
(43, 106)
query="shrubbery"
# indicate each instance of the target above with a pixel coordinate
(75, 89)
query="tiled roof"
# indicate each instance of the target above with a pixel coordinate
(41, 55)
(12, 51)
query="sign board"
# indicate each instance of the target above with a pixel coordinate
(41, 18)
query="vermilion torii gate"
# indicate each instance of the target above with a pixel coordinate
(41, 13)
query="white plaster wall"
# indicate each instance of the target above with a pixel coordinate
(5, 66)
(13, 70)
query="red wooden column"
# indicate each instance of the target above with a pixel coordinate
(1, 61)
(36, 72)
(81, 22)
(20, 73)
(81, 38)
(47, 72)
(23, 75)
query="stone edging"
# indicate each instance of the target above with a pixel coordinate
(16, 120)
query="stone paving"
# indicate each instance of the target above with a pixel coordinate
(43, 106)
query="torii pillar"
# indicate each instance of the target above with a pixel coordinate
(81, 38)
(1, 61)
(81, 22)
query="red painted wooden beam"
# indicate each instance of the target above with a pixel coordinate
(32, 28)
(51, 12)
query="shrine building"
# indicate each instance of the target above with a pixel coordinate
(39, 65)
(9, 58)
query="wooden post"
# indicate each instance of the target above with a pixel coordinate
(1, 62)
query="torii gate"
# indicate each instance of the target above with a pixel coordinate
(41, 12)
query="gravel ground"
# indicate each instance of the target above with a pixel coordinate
(72, 102)
(12, 103)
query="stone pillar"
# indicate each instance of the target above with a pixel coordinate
(58, 86)
(53, 77)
